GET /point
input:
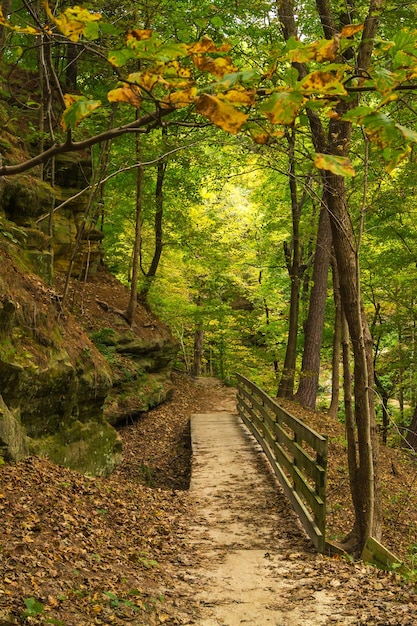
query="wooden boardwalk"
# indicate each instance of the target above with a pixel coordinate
(248, 533)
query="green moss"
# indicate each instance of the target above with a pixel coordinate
(90, 448)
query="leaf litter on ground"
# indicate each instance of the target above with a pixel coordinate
(76, 550)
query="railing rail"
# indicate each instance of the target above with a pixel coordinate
(297, 454)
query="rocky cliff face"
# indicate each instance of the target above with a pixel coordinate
(67, 377)
(53, 381)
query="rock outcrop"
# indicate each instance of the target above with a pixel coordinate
(61, 392)
(53, 381)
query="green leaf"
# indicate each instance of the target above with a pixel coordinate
(394, 156)
(341, 166)
(407, 133)
(242, 78)
(118, 58)
(384, 80)
(357, 114)
(404, 40)
(33, 607)
(171, 51)
(380, 129)
(91, 30)
(217, 21)
(282, 108)
(77, 111)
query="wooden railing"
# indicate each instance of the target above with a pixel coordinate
(298, 455)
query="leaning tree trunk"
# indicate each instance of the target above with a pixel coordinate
(149, 275)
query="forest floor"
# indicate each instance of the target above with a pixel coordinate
(82, 551)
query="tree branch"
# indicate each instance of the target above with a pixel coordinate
(150, 121)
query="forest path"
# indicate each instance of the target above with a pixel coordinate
(256, 567)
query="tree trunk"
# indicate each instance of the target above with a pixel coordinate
(293, 258)
(313, 334)
(412, 431)
(365, 480)
(6, 6)
(131, 307)
(158, 230)
(350, 427)
(198, 351)
(337, 337)
(367, 508)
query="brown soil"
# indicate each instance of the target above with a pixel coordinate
(113, 551)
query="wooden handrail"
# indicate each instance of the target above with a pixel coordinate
(297, 454)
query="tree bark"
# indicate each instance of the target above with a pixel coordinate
(367, 509)
(131, 307)
(158, 230)
(337, 338)
(313, 333)
(198, 351)
(293, 256)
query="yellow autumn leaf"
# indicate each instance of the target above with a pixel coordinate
(69, 99)
(341, 166)
(350, 30)
(206, 44)
(239, 96)
(182, 98)
(26, 30)
(174, 67)
(327, 50)
(259, 136)
(146, 79)
(282, 107)
(128, 93)
(74, 21)
(218, 67)
(221, 113)
(323, 83)
(138, 35)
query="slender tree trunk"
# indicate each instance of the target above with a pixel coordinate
(6, 6)
(198, 350)
(367, 510)
(158, 230)
(349, 422)
(412, 431)
(384, 401)
(365, 480)
(293, 257)
(131, 307)
(337, 337)
(313, 334)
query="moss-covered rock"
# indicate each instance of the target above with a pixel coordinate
(92, 448)
(13, 441)
(25, 197)
(138, 395)
(52, 378)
